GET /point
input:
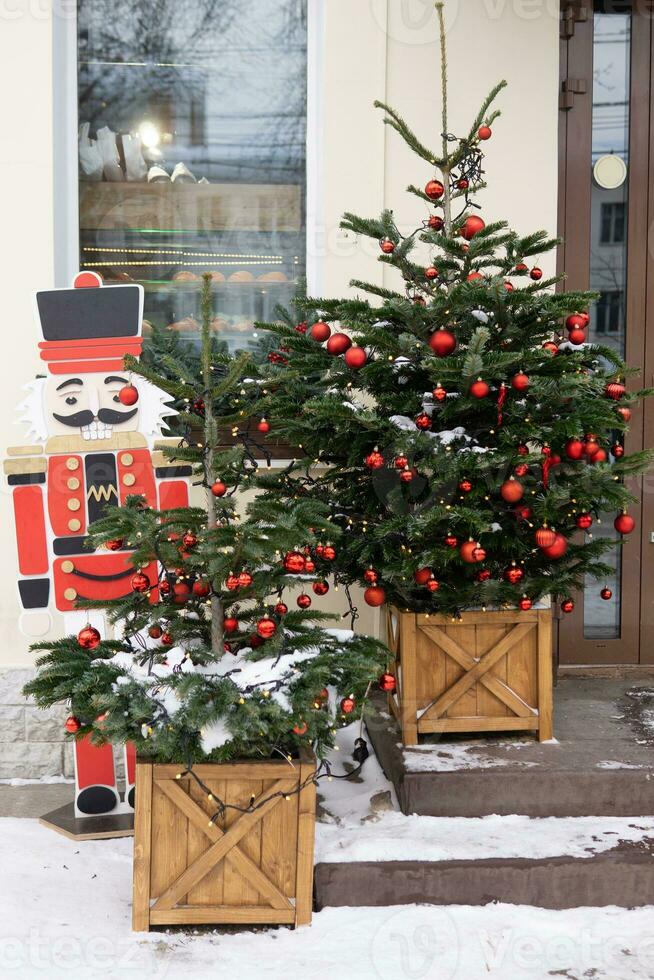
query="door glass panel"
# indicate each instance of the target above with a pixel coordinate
(608, 253)
(192, 118)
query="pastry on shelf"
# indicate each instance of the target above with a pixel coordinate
(242, 276)
(185, 275)
(187, 325)
(272, 277)
(157, 175)
(219, 324)
(182, 175)
(243, 326)
(217, 276)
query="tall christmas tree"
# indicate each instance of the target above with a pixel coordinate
(209, 661)
(465, 429)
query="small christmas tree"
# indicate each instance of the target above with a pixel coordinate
(209, 661)
(463, 439)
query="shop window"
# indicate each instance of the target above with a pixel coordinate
(609, 314)
(613, 223)
(192, 131)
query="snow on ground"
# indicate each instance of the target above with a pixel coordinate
(459, 755)
(65, 912)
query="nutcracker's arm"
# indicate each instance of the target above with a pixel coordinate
(25, 471)
(172, 477)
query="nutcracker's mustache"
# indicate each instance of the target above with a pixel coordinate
(78, 420)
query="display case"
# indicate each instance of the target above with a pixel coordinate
(192, 133)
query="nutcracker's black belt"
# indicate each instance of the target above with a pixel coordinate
(79, 544)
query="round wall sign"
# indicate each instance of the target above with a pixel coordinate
(610, 171)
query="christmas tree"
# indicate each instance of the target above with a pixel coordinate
(208, 661)
(465, 429)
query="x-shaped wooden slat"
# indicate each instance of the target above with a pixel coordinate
(477, 671)
(224, 845)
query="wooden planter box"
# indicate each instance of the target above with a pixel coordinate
(245, 868)
(487, 672)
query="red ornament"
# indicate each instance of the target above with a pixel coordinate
(140, 582)
(255, 641)
(329, 552)
(442, 342)
(434, 189)
(574, 449)
(590, 446)
(525, 603)
(465, 486)
(181, 591)
(303, 601)
(230, 624)
(164, 587)
(423, 422)
(309, 565)
(520, 381)
(431, 272)
(545, 537)
(471, 227)
(450, 541)
(624, 413)
(300, 728)
(128, 395)
(422, 576)
(88, 638)
(348, 705)
(387, 683)
(606, 594)
(567, 606)
(512, 491)
(294, 562)
(266, 627)
(433, 585)
(435, 222)
(387, 245)
(551, 347)
(463, 183)
(263, 426)
(536, 273)
(166, 639)
(320, 331)
(514, 574)
(624, 523)
(407, 475)
(374, 460)
(558, 548)
(355, 357)
(615, 390)
(484, 132)
(320, 588)
(520, 269)
(479, 389)
(375, 596)
(521, 469)
(577, 337)
(523, 512)
(439, 393)
(231, 582)
(114, 545)
(189, 540)
(218, 488)
(523, 450)
(600, 456)
(472, 276)
(201, 588)
(400, 462)
(245, 579)
(617, 450)
(72, 724)
(584, 521)
(469, 551)
(483, 575)
(155, 631)
(281, 608)
(338, 343)
(370, 576)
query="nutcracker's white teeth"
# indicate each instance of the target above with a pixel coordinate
(96, 430)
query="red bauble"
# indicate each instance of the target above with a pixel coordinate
(309, 565)
(201, 588)
(545, 537)
(471, 227)
(433, 585)
(483, 575)
(463, 183)
(375, 596)
(615, 390)
(89, 638)
(281, 608)
(431, 272)
(370, 576)
(512, 491)
(245, 579)
(484, 132)
(320, 331)
(300, 728)
(584, 521)
(423, 422)
(577, 337)
(155, 631)
(422, 576)
(523, 512)
(407, 475)
(558, 548)
(231, 582)
(181, 591)
(514, 574)
(189, 540)
(520, 269)
(508, 286)
(442, 342)
(574, 449)
(387, 245)
(164, 587)
(576, 322)
(590, 446)
(328, 552)
(140, 582)
(472, 276)
(606, 594)
(479, 389)
(521, 469)
(567, 606)
(435, 222)
(551, 347)
(320, 588)
(624, 412)
(536, 273)
(263, 426)
(338, 343)
(266, 628)
(624, 523)
(520, 381)
(114, 545)
(128, 395)
(617, 450)
(450, 541)
(218, 489)
(303, 601)
(166, 639)
(355, 357)
(348, 705)
(400, 462)
(525, 603)
(585, 316)
(294, 562)
(387, 683)
(374, 460)
(72, 724)
(230, 624)
(255, 641)
(434, 189)
(600, 456)
(439, 393)
(465, 486)
(523, 450)
(469, 552)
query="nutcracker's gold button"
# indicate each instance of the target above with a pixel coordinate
(72, 463)
(127, 459)
(70, 594)
(67, 566)
(129, 479)
(72, 483)
(73, 504)
(74, 524)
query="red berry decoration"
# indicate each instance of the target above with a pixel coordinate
(140, 582)
(281, 608)
(536, 273)
(375, 596)
(263, 426)
(520, 381)
(423, 422)
(218, 489)
(355, 357)
(348, 705)
(320, 331)
(469, 552)
(374, 460)
(114, 545)
(400, 462)
(442, 342)
(329, 552)
(525, 603)
(584, 521)
(615, 390)
(302, 327)
(88, 638)
(558, 548)
(567, 606)
(230, 624)
(370, 576)
(471, 227)
(451, 541)
(201, 588)
(439, 393)
(338, 343)
(479, 389)
(303, 601)
(387, 683)
(512, 491)
(434, 189)
(320, 588)
(155, 631)
(72, 724)
(266, 627)
(294, 562)
(435, 222)
(422, 576)
(574, 449)
(484, 132)
(545, 537)
(624, 523)
(128, 395)
(577, 337)
(514, 574)
(606, 594)
(387, 245)
(465, 486)
(431, 272)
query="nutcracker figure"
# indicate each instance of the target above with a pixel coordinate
(94, 440)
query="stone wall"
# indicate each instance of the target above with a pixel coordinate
(32, 741)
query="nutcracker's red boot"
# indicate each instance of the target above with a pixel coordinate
(95, 779)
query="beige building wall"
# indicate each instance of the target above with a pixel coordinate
(361, 50)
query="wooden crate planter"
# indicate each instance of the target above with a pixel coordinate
(487, 672)
(250, 868)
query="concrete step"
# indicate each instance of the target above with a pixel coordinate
(601, 762)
